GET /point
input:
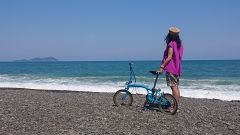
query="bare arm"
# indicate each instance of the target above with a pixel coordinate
(169, 57)
(166, 61)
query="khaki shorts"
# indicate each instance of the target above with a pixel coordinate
(172, 79)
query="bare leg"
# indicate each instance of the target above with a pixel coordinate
(176, 93)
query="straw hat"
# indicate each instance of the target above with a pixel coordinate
(174, 30)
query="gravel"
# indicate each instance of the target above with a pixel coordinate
(53, 112)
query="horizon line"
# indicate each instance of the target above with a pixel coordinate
(120, 60)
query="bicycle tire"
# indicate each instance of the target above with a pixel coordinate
(174, 105)
(121, 102)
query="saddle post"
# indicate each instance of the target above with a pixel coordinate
(155, 82)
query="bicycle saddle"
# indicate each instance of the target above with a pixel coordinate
(154, 72)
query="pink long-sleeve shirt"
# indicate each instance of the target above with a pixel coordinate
(175, 64)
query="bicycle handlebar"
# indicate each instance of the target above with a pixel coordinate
(130, 65)
(132, 72)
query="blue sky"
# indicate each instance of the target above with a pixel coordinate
(76, 30)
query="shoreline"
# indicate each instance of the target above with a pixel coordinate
(57, 90)
(31, 111)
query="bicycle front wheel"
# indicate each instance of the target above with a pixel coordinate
(123, 98)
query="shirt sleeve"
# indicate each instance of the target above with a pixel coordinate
(171, 44)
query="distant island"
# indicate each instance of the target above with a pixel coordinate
(47, 59)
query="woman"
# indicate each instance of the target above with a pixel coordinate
(172, 60)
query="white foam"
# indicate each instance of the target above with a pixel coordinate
(196, 90)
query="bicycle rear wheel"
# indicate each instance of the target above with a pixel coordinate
(169, 104)
(123, 98)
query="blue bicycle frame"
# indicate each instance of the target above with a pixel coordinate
(130, 84)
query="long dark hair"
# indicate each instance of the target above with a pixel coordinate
(173, 37)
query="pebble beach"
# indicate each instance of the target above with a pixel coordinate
(54, 112)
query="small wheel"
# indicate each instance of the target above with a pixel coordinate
(123, 98)
(168, 105)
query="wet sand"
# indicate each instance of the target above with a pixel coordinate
(44, 112)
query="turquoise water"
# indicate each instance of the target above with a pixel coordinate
(201, 79)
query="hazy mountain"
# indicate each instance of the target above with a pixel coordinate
(47, 59)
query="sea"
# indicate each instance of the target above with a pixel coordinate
(212, 79)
